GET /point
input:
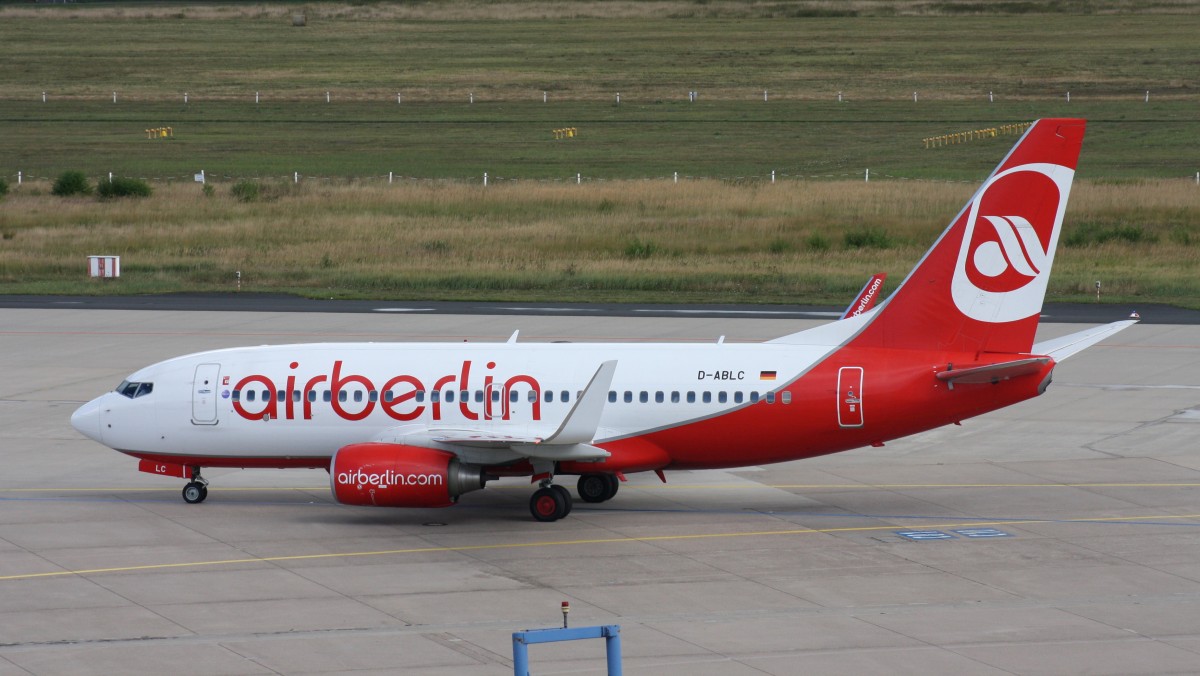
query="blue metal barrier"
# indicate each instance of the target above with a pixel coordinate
(611, 633)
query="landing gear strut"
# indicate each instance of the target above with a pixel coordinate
(197, 489)
(550, 502)
(597, 487)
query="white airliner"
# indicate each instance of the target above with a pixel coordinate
(419, 424)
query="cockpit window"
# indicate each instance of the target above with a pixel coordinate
(134, 390)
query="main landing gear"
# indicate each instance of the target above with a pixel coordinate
(598, 487)
(550, 502)
(197, 489)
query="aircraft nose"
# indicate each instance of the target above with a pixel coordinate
(86, 419)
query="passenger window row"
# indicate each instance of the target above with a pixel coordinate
(691, 397)
(643, 397)
(419, 395)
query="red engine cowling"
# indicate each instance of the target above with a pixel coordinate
(395, 475)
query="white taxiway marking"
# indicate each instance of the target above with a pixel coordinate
(802, 313)
(548, 309)
(403, 309)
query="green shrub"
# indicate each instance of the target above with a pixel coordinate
(1088, 233)
(71, 183)
(123, 187)
(779, 245)
(867, 238)
(817, 242)
(244, 191)
(636, 248)
(3, 187)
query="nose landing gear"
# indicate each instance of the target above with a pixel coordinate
(196, 490)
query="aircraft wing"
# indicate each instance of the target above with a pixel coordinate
(571, 440)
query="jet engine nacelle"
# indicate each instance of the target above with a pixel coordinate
(395, 475)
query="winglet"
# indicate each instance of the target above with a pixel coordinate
(513, 337)
(579, 427)
(865, 299)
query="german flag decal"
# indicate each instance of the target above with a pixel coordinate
(766, 375)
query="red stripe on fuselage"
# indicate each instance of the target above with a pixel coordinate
(897, 400)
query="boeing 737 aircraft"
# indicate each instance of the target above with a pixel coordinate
(420, 424)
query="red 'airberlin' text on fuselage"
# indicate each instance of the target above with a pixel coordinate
(403, 402)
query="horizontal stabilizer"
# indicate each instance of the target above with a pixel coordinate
(1065, 346)
(993, 373)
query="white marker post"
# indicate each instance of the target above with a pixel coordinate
(114, 97)
(110, 177)
(398, 98)
(1068, 97)
(256, 97)
(764, 95)
(326, 97)
(618, 98)
(544, 97)
(19, 174)
(185, 98)
(1147, 96)
(578, 179)
(389, 178)
(295, 177)
(485, 179)
(839, 97)
(990, 99)
(914, 97)
(472, 97)
(772, 176)
(43, 97)
(867, 178)
(677, 177)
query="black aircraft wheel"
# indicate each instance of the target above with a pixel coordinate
(546, 504)
(194, 492)
(566, 499)
(597, 487)
(613, 485)
(593, 487)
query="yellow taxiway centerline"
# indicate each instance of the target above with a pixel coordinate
(595, 541)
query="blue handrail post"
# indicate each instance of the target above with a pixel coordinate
(520, 655)
(611, 633)
(612, 649)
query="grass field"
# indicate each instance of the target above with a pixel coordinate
(723, 233)
(701, 240)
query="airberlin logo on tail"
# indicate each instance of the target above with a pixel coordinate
(1009, 241)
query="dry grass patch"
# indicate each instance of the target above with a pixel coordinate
(698, 240)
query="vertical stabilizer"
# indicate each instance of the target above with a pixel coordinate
(980, 288)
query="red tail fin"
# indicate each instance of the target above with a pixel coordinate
(865, 300)
(980, 288)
